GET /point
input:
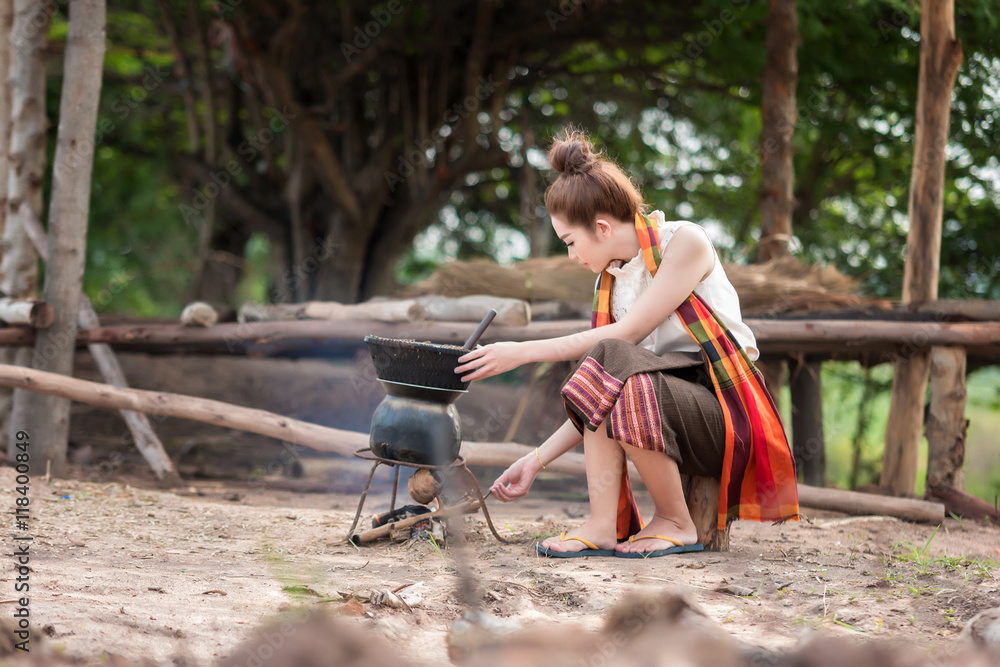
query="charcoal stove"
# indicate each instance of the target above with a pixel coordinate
(417, 424)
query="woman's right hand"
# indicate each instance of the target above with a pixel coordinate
(516, 480)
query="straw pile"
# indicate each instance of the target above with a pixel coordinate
(779, 286)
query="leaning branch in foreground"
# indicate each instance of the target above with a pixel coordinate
(345, 443)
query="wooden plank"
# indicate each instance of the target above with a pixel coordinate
(854, 502)
(849, 502)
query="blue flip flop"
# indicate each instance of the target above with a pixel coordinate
(679, 549)
(592, 549)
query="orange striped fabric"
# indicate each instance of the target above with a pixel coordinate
(758, 475)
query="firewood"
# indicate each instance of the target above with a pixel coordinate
(33, 312)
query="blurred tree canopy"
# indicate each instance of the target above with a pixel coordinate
(310, 149)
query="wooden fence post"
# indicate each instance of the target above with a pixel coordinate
(946, 422)
(940, 58)
(808, 444)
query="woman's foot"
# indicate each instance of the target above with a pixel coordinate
(682, 531)
(602, 538)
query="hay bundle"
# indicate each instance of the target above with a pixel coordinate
(786, 285)
(782, 285)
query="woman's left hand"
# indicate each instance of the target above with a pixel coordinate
(492, 359)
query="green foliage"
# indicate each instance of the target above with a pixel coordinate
(686, 122)
(843, 395)
(671, 91)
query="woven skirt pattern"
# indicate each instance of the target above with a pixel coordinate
(658, 403)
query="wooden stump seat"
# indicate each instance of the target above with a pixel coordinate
(702, 494)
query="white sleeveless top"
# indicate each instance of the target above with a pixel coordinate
(632, 277)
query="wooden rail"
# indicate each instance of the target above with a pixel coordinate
(982, 339)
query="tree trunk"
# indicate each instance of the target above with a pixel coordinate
(702, 497)
(808, 443)
(7, 355)
(946, 422)
(25, 165)
(46, 418)
(940, 58)
(201, 280)
(532, 224)
(6, 22)
(778, 116)
(338, 276)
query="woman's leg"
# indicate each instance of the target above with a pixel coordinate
(671, 517)
(604, 459)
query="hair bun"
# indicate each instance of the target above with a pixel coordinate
(572, 154)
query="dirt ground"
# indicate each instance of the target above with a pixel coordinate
(119, 567)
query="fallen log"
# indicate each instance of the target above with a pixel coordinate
(836, 500)
(320, 438)
(373, 534)
(774, 334)
(345, 443)
(472, 308)
(961, 503)
(855, 502)
(33, 312)
(407, 310)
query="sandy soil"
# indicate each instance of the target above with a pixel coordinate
(133, 571)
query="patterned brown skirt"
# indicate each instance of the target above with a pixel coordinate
(659, 403)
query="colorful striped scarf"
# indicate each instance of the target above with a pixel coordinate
(758, 472)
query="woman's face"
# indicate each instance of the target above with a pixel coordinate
(590, 249)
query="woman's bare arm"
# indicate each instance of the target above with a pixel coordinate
(686, 260)
(517, 479)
